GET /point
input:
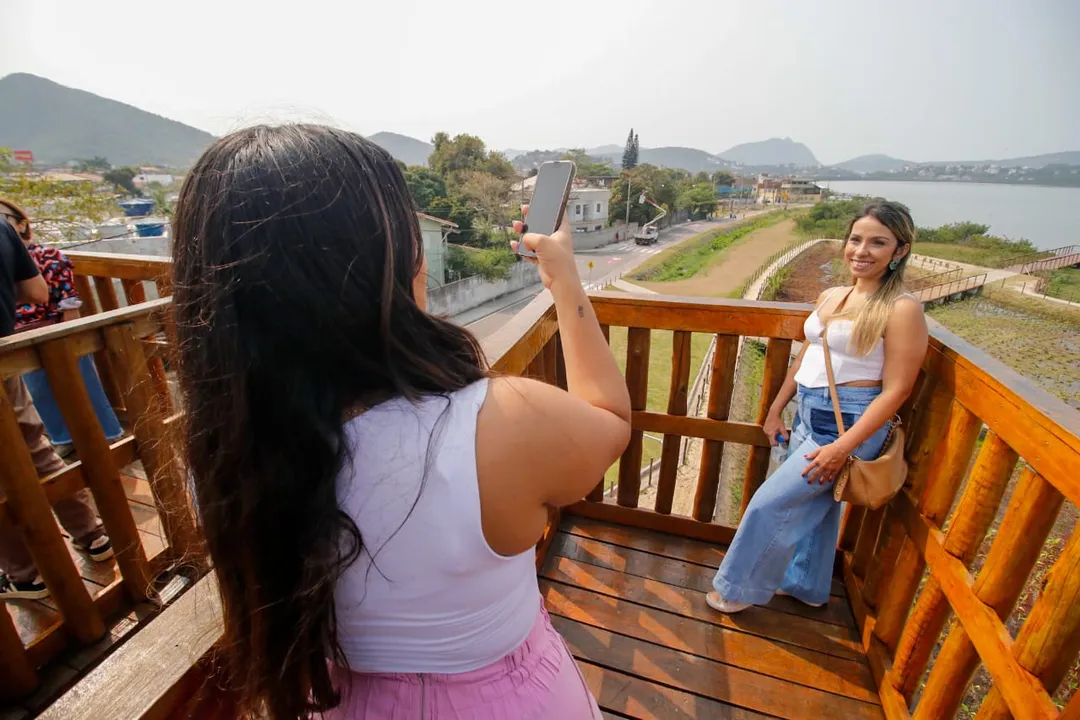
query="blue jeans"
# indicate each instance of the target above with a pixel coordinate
(788, 534)
(38, 385)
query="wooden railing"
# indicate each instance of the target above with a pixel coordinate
(121, 336)
(884, 554)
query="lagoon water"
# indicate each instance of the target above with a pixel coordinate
(1047, 216)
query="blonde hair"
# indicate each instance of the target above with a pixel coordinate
(870, 319)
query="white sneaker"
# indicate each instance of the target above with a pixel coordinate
(725, 606)
(813, 605)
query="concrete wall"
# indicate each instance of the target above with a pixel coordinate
(457, 297)
(599, 238)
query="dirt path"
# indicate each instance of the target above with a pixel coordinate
(735, 265)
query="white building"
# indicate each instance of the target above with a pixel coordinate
(588, 209)
(434, 231)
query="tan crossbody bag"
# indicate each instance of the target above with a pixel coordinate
(872, 483)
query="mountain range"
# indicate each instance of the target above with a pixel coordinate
(60, 124)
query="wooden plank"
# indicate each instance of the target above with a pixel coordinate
(147, 318)
(120, 265)
(971, 520)
(134, 292)
(86, 294)
(842, 676)
(560, 363)
(513, 346)
(947, 468)
(33, 515)
(106, 293)
(17, 676)
(681, 574)
(892, 702)
(707, 315)
(763, 622)
(862, 556)
(665, 545)
(777, 357)
(721, 388)
(677, 394)
(637, 382)
(158, 456)
(66, 482)
(597, 493)
(659, 661)
(849, 531)
(171, 644)
(650, 520)
(632, 697)
(1013, 554)
(543, 547)
(714, 431)
(1020, 689)
(99, 470)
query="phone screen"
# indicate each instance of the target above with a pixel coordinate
(549, 199)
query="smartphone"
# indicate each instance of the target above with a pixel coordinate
(548, 203)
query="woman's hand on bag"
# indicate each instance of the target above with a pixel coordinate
(826, 463)
(774, 426)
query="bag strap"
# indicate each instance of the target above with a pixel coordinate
(829, 367)
(832, 381)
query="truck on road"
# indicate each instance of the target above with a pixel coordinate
(649, 232)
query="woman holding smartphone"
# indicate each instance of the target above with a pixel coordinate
(370, 492)
(877, 335)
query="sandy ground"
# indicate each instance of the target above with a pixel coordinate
(735, 265)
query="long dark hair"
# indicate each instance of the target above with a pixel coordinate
(295, 250)
(872, 316)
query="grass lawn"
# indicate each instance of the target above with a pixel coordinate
(1065, 284)
(1036, 338)
(659, 381)
(964, 253)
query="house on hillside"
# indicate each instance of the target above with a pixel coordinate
(434, 231)
(588, 208)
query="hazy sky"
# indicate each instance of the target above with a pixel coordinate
(916, 79)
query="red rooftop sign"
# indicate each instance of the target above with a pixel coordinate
(25, 156)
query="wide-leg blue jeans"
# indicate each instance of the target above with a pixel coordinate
(787, 536)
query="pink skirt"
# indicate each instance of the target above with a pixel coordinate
(537, 681)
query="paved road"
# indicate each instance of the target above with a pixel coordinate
(609, 263)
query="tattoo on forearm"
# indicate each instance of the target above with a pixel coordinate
(581, 311)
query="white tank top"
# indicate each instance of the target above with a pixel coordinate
(427, 594)
(847, 366)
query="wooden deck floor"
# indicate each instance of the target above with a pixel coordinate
(631, 606)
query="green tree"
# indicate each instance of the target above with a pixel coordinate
(630, 152)
(57, 208)
(722, 178)
(588, 166)
(702, 177)
(657, 184)
(487, 194)
(453, 155)
(699, 199)
(94, 163)
(123, 178)
(424, 185)
(447, 209)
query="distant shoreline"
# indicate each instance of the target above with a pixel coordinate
(952, 182)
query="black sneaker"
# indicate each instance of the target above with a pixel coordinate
(30, 590)
(99, 550)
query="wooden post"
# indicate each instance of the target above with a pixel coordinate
(560, 362)
(1027, 523)
(974, 513)
(637, 382)
(1050, 638)
(597, 494)
(99, 469)
(17, 674)
(135, 294)
(947, 469)
(30, 510)
(867, 542)
(721, 388)
(106, 293)
(669, 455)
(777, 357)
(86, 294)
(158, 456)
(853, 520)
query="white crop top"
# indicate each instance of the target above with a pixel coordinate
(427, 594)
(847, 367)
